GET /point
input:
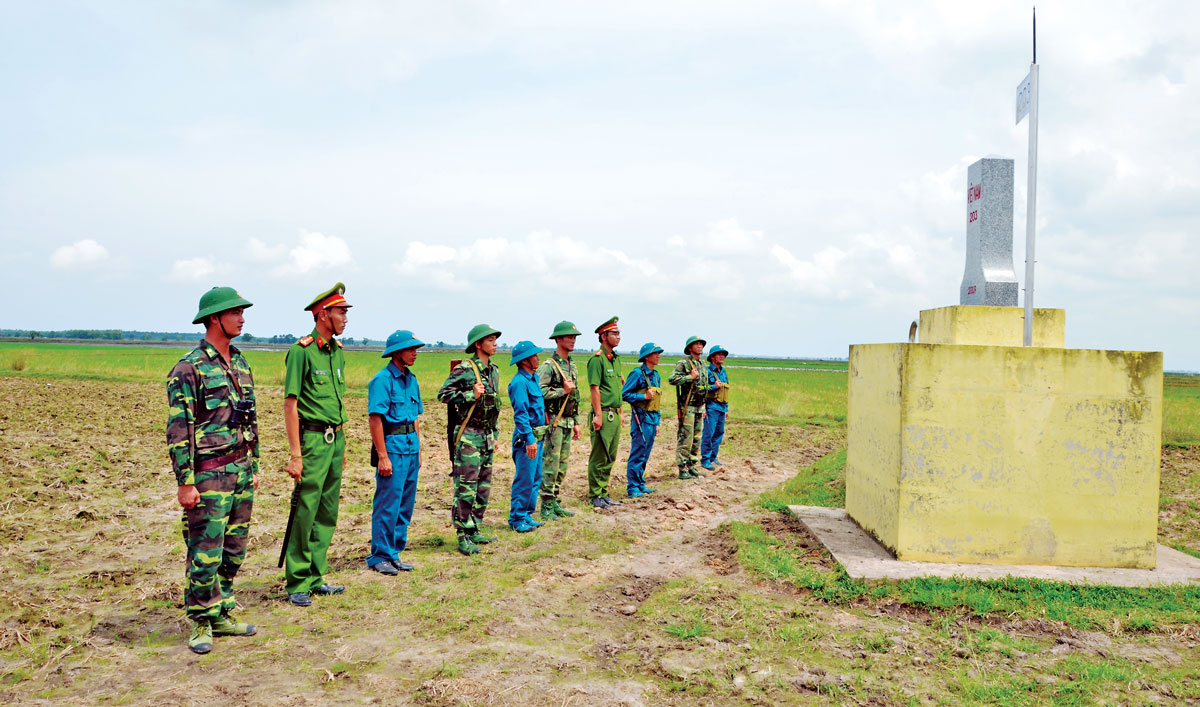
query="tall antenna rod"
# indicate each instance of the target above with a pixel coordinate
(1035, 34)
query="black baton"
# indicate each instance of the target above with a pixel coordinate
(287, 533)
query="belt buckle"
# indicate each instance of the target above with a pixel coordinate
(330, 434)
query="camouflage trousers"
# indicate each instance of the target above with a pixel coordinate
(215, 531)
(554, 461)
(472, 472)
(691, 430)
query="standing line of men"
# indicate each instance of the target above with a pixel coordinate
(213, 444)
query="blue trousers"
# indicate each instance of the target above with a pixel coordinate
(642, 435)
(526, 483)
(714, 432)
(392, 508)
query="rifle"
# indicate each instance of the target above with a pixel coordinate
(287, 533)
(688, 400)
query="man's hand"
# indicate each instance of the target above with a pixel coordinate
(568, 386)
(255, 477)
(649, 394)
(188, 496)
(597, 421)
(695, 373)
(294, 468)
(576, 433)
(479, 390)
(531, 450)
(385, 465)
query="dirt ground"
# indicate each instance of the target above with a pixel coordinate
(585, 611)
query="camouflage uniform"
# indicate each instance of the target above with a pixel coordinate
(220, 460)
(558, 440)
(691, 414)
(471, 458)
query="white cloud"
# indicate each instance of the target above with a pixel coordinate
(315, 252)
(79, 255)
(192, 269)
(539, 262)
(263, 253)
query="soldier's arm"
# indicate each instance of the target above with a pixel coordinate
(546, 382)
(679, 374)
(459, 386)
(520, 402)
(631, 384)
(182, 384)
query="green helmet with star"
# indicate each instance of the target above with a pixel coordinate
(217, 300)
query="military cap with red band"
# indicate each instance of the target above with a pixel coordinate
(333, 297)
(607, 326)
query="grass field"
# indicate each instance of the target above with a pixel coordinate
(704, 592)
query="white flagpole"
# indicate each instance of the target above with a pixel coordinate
(1031, 202)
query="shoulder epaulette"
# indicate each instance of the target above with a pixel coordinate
(305, 341)
(598, 352)
(339, 342)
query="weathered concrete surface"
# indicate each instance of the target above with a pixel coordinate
(1006, 455)
(864, 558)
(991, 326)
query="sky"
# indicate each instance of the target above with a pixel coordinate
(780, 178)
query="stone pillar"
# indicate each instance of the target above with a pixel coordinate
(989, 277)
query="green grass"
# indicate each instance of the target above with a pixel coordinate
(777, 397)
(822, 484)
(1181, 410)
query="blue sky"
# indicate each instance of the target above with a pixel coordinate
(782, 178)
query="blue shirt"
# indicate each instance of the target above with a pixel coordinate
(529, 409)
(394, 395)
(642, 377)
(717, 374)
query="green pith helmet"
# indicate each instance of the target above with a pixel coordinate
(219, 299)
(691, 340)
(564, 328)
(479, 331)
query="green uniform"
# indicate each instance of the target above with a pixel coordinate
(558, 442)
(604, 370)
(211, 450)
(689, 397)
(316, 378)
(471, 459)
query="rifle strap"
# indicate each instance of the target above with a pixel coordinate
(463, 425)
(564, 404)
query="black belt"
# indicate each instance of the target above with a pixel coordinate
(616, 409)
(399, 428)
(239, 453)
(317, 426)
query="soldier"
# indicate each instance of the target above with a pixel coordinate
(529, 433)
(393, 406)
(314, 412)
(212, 440)
(643, 391)
(559, 380)
(472, 394)
(690, 390)
(604, 379)
(716, 408)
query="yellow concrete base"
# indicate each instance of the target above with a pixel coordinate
(1006, 454)
(980, 325)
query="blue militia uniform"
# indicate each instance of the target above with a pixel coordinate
(395, 396)
(714, 418)
(643, 425)
(529, 427)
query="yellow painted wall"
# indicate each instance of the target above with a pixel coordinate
(978, 325)
(873, 445)
(1006, 455)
